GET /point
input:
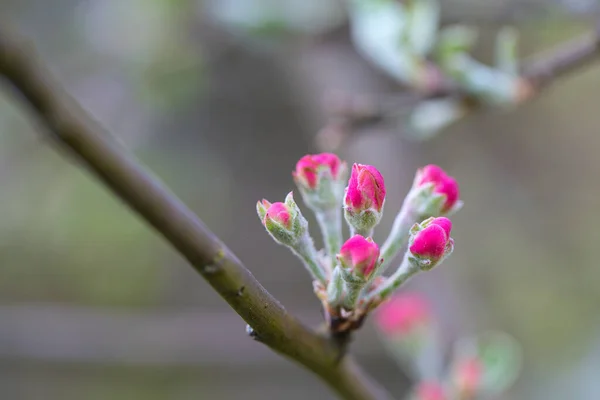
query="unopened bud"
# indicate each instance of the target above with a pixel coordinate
(364, 199)
(430, 242)
(284, 221)
(320, 178)
(359, 256)
(435, 193)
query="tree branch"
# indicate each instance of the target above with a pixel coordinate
(76, 131)
(568, 58)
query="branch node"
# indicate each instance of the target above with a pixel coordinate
(216, 265)
(240, 291)
(252, 333)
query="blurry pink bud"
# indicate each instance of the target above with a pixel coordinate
(359, 255)
(430, 391)
(443, 184)
(403, 314)
(433, 241)
(366, 189)
(306, 174)
(467, 376)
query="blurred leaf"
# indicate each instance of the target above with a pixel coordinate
(377, 28)
(489, 84)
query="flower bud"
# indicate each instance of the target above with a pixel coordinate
(359, 256)
(311, 169)
(440, 194)
(364, 199)
(403, 315)
(430, 242)
(320, 178)
(284, 221)
(429, 391)
(467, 375)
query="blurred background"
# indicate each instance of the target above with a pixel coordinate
(220, 98)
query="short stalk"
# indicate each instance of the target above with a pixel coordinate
(402, 274)
(330, 222)
(362, 232)
(397, 238)
(335, 288)
(305, 250)
(352, 291)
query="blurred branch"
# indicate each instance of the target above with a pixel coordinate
(74, 130)
(348, 112)
(566, 59)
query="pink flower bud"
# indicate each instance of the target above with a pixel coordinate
(359, 255)
(403, 314)
(279, 213)
(467, 376)
(284, 221)
(366, 189)
(307, 168)
(430, 391)
(432, 241)
(443, 184)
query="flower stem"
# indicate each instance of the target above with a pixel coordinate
(352, 291)
(335, 288)
(402, 274)
(363, 232)
(305, 250)
(397, 238)
(330, 222)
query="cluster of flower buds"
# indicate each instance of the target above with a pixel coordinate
(347, 275)
(433, 194)
(481, 366)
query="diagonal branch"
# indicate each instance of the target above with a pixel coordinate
(74, 130)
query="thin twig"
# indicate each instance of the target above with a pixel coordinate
(568, 58)
(77, 132)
